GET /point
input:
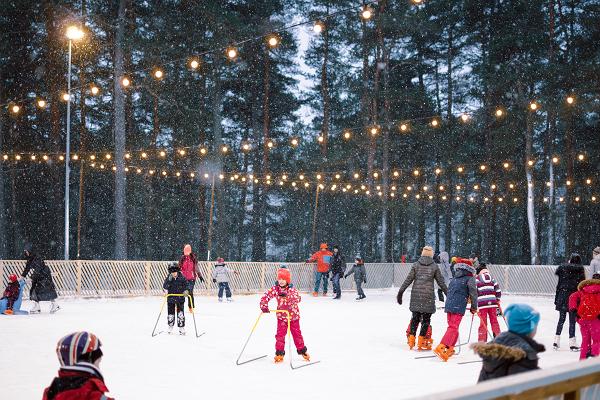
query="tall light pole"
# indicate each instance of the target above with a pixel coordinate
(73, 33)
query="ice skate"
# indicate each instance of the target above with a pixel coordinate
(182, 331)
(220, 299)
(278, 357)
(411, 341)
(8, 312)
(324, 294)
(422, 344)
(337, 297)
(428, 343)
(55, 307)
(556, 344)
(315, 294)
(443, 352)
(170, 330)
(35, 309)
(573, 344)
(305, 356)
(229, 300)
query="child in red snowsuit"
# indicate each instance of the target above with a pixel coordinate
(11, 293)
(586, 302)
(287, 299)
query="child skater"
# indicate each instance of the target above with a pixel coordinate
(461, 288)
(488, 302)
(586, 303)
(11, 293)
(287, 299)
(360, 276)
(220, 276)
(175, 283)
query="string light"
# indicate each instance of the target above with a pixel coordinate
(318, 27)
(533, 106)
(403, 127)
(570, 99)
(162, 153)
(144, 155)
(416, 172)
(245, 147)
(366, 13)
(499, 112)
(438, 171)
(270, 144)
(464, 117)
(460, 169)
(231, 53)
(320, 139)
(95, 90)
(92, 157)
(273, 41)
(194, 63)
(347, 135)
(182, 152)
(15, 109)
(555, 160)
(434, 122)
(108, 156)
(294, 142)
(224, 149)
(66, 97)
(158, 74)
(482, 167)
(506, 165)
(41, 103)
(203, 151)
(581, 157)
(125, 82)
(374, 131)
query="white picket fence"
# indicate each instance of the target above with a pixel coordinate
(87, 278)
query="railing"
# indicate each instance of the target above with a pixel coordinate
(579, 380)
(85, 278)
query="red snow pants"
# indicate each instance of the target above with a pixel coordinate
(590, 338)
(451, 335)
(483, 318)
(282, 331)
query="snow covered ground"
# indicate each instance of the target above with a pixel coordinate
(362, 348)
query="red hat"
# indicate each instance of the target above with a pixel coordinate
(464, 261)
(323, 246)
(12, 278)
(284, 273)
(220, 260)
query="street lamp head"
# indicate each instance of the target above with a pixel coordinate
(74, 33)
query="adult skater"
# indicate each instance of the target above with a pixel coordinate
(188, 263)
(422, 297)
(595, 264)
(569, 276)
(323, 259)
(446, 270)
(338, 267)
(42, 287)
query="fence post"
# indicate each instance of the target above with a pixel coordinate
(78, 278)
(262, 276)
(147, 278)
(506, 279)
(1, 271)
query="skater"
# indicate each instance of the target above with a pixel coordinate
(175, 283)
(422, 297)
(323, 259)
(447, 272)
(79, 376)
(569, 276)
(42, 287)
(360, 276)
(11, 293)
(220, 276)
(462, 287)
(188, 263)
(586, 303)
(514, 351)
(488, 302)
(287, 299)
(595, 263)
(338, 267)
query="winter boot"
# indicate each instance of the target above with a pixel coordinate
(422, 343)
(573, 344)
(35, 309)
(556, 344)
(411, 341)
(279, 356)
(304, 354)
(8, 312)
(182, 331)
(54, 308)
(315, 294)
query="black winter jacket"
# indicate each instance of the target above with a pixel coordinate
(42, 287)
(569, 276)
(337, 264)
(508, 354)
(176, 286)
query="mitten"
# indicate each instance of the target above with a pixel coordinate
(214, 280)
(265, 310)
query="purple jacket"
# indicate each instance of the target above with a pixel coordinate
(488, 291)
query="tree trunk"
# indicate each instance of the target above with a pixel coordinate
(325, 91)
(120, 138)
(529, 171)
(3, 226)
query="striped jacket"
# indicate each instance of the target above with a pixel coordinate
(488, 291)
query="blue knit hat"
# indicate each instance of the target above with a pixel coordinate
(522, 318)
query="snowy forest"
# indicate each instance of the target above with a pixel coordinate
(260, 128)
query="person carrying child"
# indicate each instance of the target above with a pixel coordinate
(175, 283)
(287, 299)
(585, 302)
(462, 288)
(360, 276)
(220, 276)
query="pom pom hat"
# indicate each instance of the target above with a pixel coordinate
(12, 278)
(284, 273)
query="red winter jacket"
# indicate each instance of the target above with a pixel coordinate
(323, 259)
(287, 302)
(11, 294)
(586, 300)
(77, 383)
(189, 266)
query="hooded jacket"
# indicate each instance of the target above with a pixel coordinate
(508, 354)
(287, 299)
(445, 269)
(221, 273)
(422, 295)
(488, 291)
(569, 276)
(462, 287)
(586, 300)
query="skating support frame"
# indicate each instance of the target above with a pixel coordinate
(289, 339)
(166, 297)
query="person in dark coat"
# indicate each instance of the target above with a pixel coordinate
(337, 268)
(360, 276)
(42, 286)
(569, 276)
(514, 351)
(175, 283)
(422, 297)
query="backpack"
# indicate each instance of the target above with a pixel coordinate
(589, 306)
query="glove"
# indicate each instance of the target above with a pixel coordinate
(473, 311)
(365, 281)
(214, 280)
(498, 312)
(345, 276)
(265, 310)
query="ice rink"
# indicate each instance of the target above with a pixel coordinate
(361, 346)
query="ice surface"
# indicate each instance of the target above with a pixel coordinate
(362, 348)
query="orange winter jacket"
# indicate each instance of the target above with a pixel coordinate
(323, 259)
